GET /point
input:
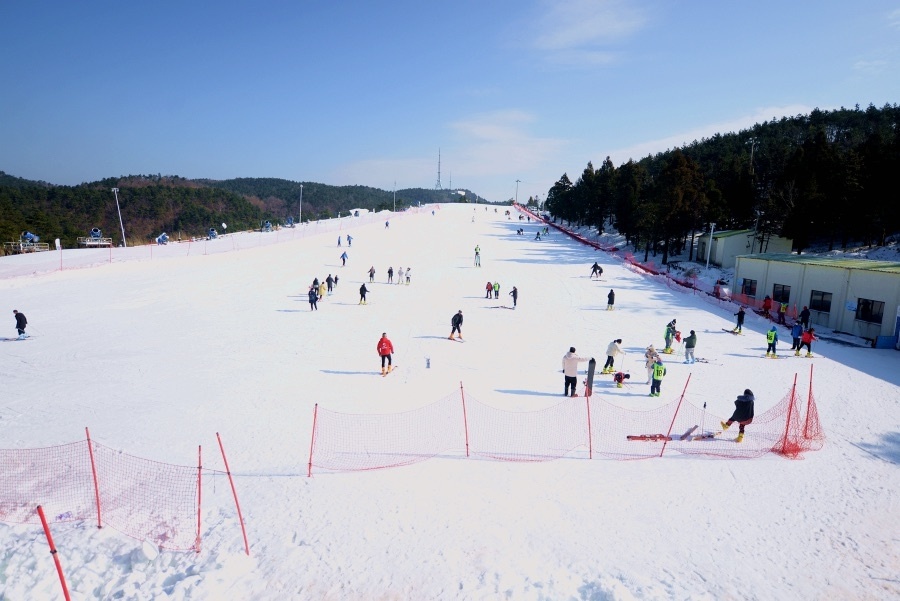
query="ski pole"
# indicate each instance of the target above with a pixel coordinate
(622, 363)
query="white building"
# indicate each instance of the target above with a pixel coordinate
(857, 296)
(728, 244)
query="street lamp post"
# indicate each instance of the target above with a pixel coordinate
(712, 228)
(517, 190)
(115, 192)
(301, 204)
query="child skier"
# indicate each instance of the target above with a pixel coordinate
(596, 270)
(772, 340)
(740, 320)
(650, 357)
(743, 413)
(456, 325)
(385, 350)
(21, 322)
(806, 339)
(611, 351)
(620, 378)
(496, 290)
(659, 372)
(670, 334)
(796, 332)
(362, 294)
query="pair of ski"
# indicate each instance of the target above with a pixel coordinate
(390, 369)
(688, 435)
(736, 333)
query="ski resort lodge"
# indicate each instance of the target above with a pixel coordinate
(728, 244)
(857, 296)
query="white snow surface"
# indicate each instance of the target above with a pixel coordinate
(158, 355)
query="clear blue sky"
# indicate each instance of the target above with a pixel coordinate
(353, 92)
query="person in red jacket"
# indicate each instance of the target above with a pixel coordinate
(385, 350)
(806, 339)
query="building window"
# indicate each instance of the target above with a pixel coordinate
(871, 311)
(781, 293)
(820, 301)
(748, 287)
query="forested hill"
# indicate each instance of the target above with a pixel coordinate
(151, 204)
(830, 176)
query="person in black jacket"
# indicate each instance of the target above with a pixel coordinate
(21, 322)
(740, 320)
(456, 322)
(743, 413)
(313, 295)
(804, 318)
(362, 294)
(610, 300)
(515, 295)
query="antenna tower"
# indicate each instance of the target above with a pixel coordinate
(437, 186)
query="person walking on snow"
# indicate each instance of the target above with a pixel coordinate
(21, 322)
(477, 256)
(611, 351)
(390, 274)
(570, 363)
(456, 325)
(596, 270)
(349, 240)
(385, 350)
(743, 413)
(804, 318)
(689, 344)
(659, 372)
(670, 334)
(323, 290)
(740, 320)
(772, 340)
(496, 290)
(796, 332)
(329, 282)
(515, 295)
(362, 294)
(372, 273)
(339, 240)
(650, 357)
(610, 300)
(407, 275)
(782, 311)
(806, 339)
(489, 289)
(344, 258)
(399, 275)
(313, 298)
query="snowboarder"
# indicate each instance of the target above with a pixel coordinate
(570, 363)
(804, 318)
(689, 344)
(385, 350)
(796, 332)
(743, 413)
(515, 295)
(456, 325)
(344, 258)
(329, 282)
(21, 322)
(610, 300)
(670, 334)
(349, 240)
(496, 290)
(596, 270)
(659, 372)
(806, 339)
(740, 320)
(372, 273)
(650, 357)
(772, 340)
(313, 298)
(782, 311)
(390, 274)
(477, 256)
(362, 294)
(488, 289)
(611, 351)
(620, 378)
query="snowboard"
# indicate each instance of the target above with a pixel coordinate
(589, 380)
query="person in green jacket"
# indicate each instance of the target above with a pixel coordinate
(659, 372)
(689, 344)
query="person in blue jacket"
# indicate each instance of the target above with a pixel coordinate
(772, 340)
(796, 332)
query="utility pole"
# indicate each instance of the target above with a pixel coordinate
(115, 192)
(517, 190)
(301, 204)
(395, 189)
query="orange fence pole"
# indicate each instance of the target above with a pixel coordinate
(96, 480)
(59, 570)
(672, 425)
(234, 492)
(312, 441)
(465, 418)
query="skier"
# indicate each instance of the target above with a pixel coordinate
(650, 357)
(477, 256)
(329, 281)
(570, 363)
(772, 340)
(804, 318)
(390, 274)
(456, 324)
(313, 298)
(315, 283)
(670, 334)
(407, 275)
(806, 339)
(372, 273)
(596, 270)
(335, 280)
(399, 275)
(496, 290)
(743, 413)
(659, 372)
(611, 351)
(349, 240)
(620, 378)
(489, 289)
(537, 236)
(344, 258)
(796, 332)
(515, 295)
(610, 300)
(689, 344)
(740, 320)
(21, 322)
(362, 294)
(385, 350)
(782, 311)
(339, 240)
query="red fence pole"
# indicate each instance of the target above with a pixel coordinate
(234, 492)
(587, 401)
(199, 505)
(94, 471)
(59, 570)
(465, 417)
(672, 425)
(808, 404)
(312, 440)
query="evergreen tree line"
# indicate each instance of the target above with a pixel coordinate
(828, 177)
(152, 204)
